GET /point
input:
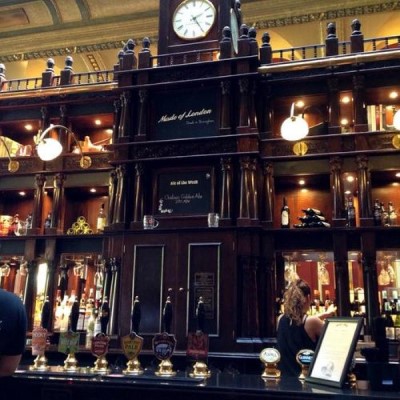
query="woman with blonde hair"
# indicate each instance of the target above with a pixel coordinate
(297, 330)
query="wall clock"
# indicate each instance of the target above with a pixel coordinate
(190, 25)
(193, 19)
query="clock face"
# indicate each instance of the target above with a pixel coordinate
(193, 19)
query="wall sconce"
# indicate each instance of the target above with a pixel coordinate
(13, 165)
(295, 127)
(49, 149)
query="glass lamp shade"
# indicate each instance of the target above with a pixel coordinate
(294, 128)
(396, 120)
(49, 149)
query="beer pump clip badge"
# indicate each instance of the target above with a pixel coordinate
(164, 346)
(131, 345)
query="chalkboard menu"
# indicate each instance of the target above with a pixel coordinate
(186, 114)
(186, 192)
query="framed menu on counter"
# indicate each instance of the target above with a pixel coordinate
(334, 352)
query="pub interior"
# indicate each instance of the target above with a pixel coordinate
(153, 247)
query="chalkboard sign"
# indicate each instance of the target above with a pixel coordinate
(186, 192)
(186, 114)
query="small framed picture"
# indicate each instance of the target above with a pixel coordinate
(334, 351)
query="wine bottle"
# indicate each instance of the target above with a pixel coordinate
(312, 211)
(351, 213)
(101, 220)
(285, 215)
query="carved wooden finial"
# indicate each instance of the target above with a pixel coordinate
(244, 31)
(146, 44)
(356, 37)
(130, 46)
(331, 30)
(68, 63)
(356, 27)
(50, 65)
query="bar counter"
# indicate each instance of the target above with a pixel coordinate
(57, 384)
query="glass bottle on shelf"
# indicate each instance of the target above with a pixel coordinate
(377, 213)
(351, 213)
(58, 312)
(384, 215)
(90, 328)
(392, 218)
(101, 220)
(285, 215)
(47, 221)
(104, 315)
(82, 313)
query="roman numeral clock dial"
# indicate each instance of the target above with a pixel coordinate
(193, 19)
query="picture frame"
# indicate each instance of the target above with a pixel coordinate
(333, 357)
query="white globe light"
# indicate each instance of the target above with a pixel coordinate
(294, 128)
(49, 149)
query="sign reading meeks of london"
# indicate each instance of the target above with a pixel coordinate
(186, 114)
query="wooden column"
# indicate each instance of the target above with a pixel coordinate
(265, 49)
(341, 273)
(360, 111)
(142, 120)
(225, 122)
(58, 200)
(268, 195)
(138, 201)
(116, 120)
(244, 208)
(370, 274)
(331, 41)
(125, 121)
(364, 190)
(226, 189)
(112, 191)
(40, 180)
(121, 194)
(254, 212)
(334, 106)
(337, 190)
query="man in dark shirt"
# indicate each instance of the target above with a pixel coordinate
(13, 326)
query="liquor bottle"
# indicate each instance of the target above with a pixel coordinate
(82, 314)
(285, 215)
(377, 213)
(47, 221)
(28, 221)
(58, 312)
(89, 307)
(394, 306)
(45, 317)
(101, 220)
(384, 216)
(104, 315)
(74, 316)
(90, 328)
(351, 213)
(392, 218)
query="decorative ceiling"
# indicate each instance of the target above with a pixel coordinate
(93, 31)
